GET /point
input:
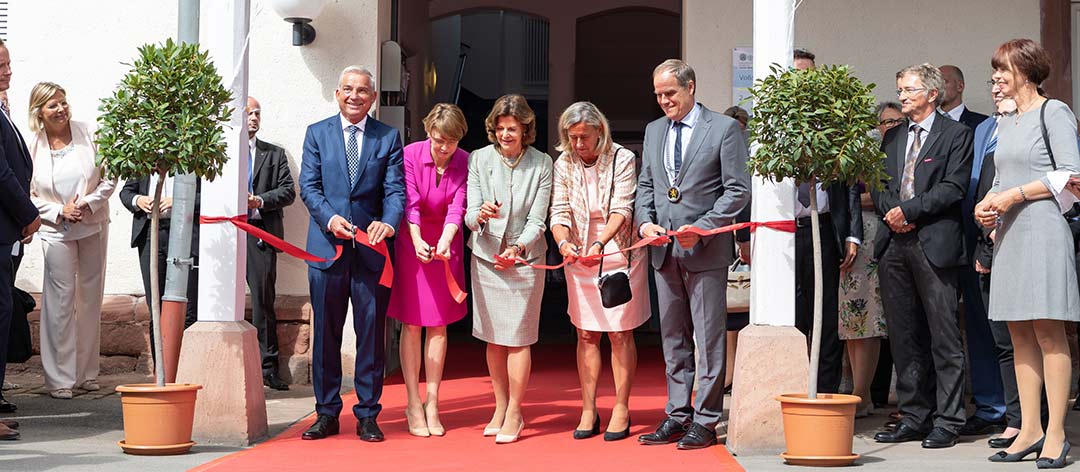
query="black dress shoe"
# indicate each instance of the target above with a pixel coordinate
(618, 435)
(940, 438)
(902, 433)
(1076, 404)
(275, 382)
(325, 425)
(588, 433)
(6, 406)
(9, 423)
(697, 437)
(976, 426)
(368, 430)
(667, 432)
(1001, 443)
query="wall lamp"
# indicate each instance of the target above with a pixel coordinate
(300, 13)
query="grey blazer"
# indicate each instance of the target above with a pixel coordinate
(524, 202)
(714, 183)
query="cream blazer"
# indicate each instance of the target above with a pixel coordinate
(95, 190)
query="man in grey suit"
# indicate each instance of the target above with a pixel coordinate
(693, 174)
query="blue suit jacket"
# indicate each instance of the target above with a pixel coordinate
(379, 193)
(16, 209)
(983, 132)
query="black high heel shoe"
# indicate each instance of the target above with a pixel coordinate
(1057, 463)
(1003, 456)
(588, 433)
(618, 435)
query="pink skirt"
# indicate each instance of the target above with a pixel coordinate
(586, 310)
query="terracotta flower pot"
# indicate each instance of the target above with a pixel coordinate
(819, 432)
(157, 420)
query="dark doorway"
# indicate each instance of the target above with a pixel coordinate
(484, 54)
(614, 62)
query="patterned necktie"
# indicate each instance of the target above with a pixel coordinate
(352, 153)
(907, 182)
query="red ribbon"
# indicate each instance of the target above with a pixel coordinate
(787, 226)
(451, 283)
(240, 221)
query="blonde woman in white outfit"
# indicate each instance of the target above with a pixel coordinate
(73, 199)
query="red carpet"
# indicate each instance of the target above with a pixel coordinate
(551, 410)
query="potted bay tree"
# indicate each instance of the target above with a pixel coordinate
(164, 118)
(814, 126)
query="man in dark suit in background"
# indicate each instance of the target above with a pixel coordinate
(270, 190)
(920, 249)
(840, 219)
(19, 221)
(352, 177)
(952, 98)
(137, 197)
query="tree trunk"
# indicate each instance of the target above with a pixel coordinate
(815, 342)
(155, 290)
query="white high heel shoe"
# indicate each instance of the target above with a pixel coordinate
(509, 438)
(491, 431)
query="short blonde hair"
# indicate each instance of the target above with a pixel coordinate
(515, 106)
(42, 93)
(448, 120)
(587, 113)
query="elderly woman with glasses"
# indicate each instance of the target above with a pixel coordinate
(592, 213)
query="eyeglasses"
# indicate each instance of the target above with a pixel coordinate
(909, 91)
(890, 122)
(999, 82)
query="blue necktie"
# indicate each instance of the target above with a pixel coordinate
(352, 152)
(678, 147)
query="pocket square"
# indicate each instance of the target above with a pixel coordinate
(928, 159)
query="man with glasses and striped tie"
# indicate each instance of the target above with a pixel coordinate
(920, 250)
(352, 177)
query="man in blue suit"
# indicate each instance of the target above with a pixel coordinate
(986, 385)
(19, 220)
(352, 177)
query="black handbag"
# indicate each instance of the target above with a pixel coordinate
(20, 345)
(614, 287)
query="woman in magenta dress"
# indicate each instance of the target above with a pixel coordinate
(435, 181)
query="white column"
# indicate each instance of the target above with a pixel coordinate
(772, 293)
(222, 247)
(755, 426)
(221, 351)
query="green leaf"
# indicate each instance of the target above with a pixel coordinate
(166, 113)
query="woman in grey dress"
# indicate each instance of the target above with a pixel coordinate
(509, 190)
(1035, 289)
